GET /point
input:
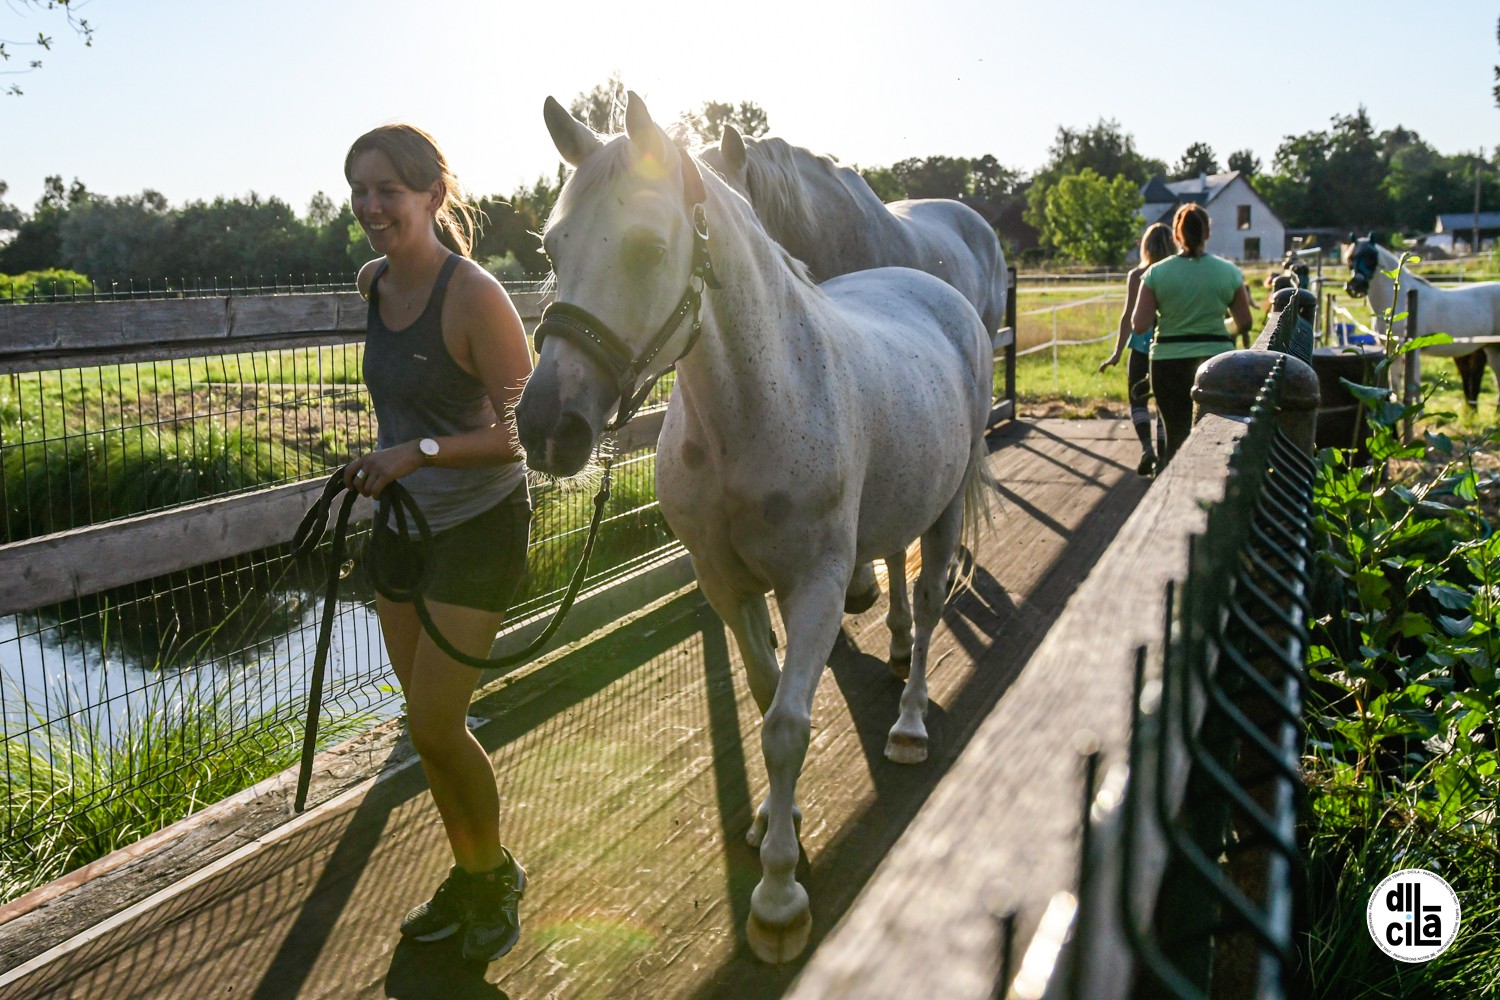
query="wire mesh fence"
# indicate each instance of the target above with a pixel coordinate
(123, 710)
(79, 289)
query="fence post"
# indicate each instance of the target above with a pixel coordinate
(1013, 287)
(1229, 383)
(1054, 349)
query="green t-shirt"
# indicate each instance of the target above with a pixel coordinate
(1192, 294)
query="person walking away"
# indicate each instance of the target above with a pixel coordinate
(445, 361)
(1156, 245)
(1185, 298)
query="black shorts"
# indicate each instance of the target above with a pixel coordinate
(477, 563)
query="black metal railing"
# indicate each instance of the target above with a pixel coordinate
(1194, 868)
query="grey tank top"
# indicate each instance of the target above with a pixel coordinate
(420, 391)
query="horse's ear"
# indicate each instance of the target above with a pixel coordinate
(648, 139)
(574, 140)
(1352, 238)
(732, 148)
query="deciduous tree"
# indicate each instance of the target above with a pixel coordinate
(707, 123)
(1245, 161)
(1197, 159)
(1091, 218)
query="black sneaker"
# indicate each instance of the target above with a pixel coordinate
(1147, 465)
(444, 913)
(494, 918)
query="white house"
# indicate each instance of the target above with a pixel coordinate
(1241, 225)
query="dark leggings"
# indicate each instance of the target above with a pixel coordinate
(1138, 391)
(1172, 385)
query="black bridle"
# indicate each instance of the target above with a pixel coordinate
(1362, 264)
(593, 336)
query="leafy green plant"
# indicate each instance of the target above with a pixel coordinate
(1402, 768)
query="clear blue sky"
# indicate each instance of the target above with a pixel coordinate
(198, 99)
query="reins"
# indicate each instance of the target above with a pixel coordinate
(396, 501)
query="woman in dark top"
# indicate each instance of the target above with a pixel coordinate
(445, 360)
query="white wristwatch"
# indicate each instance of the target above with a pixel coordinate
(429, 449)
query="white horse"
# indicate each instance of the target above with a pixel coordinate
(810, 428)
(1469, 314)
(829, 218)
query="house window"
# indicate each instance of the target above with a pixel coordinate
(1252, 248)
(1244, 217)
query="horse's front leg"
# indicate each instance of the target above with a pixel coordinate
(907, 742)
(780, 918)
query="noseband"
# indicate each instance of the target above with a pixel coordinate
(594, 337)
(1362, 265)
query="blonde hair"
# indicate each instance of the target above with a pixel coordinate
(1156, 243)
(420, 164)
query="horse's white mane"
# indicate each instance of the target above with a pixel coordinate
(778, 188)
(604, 165)
(1384, 252)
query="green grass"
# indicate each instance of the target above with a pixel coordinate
(178, 756)
(86, 445)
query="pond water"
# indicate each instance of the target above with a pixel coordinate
(97, 668)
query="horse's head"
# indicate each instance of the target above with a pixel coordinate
(1363, 260)
(628, 245)
(730, 159)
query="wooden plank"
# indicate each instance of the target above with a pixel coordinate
(57, 326)
(41, 571)
(1005, 409)
(999, 834)
(1005, 337)
(53, 335)
(272, 315)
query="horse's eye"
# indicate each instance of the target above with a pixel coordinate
(646, 256)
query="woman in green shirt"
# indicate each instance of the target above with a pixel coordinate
(1185, 297)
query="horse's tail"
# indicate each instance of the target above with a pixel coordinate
(979, 486)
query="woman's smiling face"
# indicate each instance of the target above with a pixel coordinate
(389, 212)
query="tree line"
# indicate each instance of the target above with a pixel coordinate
(1081, 205)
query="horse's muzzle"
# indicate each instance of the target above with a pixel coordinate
(1356, 287)
(557, 438)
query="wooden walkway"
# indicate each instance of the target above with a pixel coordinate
(628, 770)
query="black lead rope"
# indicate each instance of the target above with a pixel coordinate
(395, 499)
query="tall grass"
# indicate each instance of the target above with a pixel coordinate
(182, 753)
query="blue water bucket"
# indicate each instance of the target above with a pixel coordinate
(1363, 339)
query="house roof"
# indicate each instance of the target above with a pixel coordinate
(1202, 189)
(1459, 222)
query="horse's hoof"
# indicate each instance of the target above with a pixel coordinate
(776, 944)
(855, 604)
(902, 748)
(901, 667)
